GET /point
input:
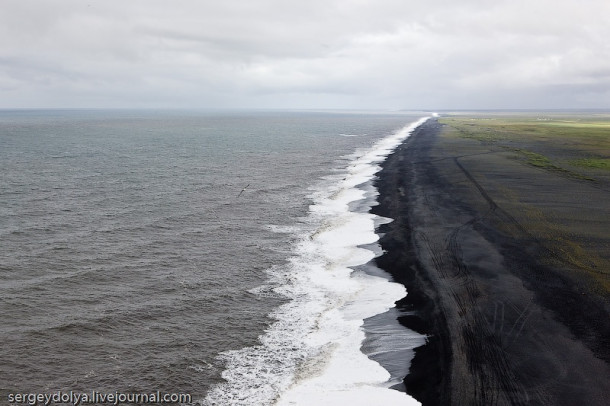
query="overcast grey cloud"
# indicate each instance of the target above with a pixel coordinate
(381, 54)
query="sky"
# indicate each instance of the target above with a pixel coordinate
(314, 54)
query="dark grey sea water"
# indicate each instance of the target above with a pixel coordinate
(128, 256)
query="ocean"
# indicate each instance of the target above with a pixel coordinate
(226, 255)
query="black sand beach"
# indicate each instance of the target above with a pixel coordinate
(509, 321)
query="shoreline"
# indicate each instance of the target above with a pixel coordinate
(504, 327)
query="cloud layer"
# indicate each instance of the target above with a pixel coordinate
(383, 54)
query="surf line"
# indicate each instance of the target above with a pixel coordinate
(341, 373)
(311, 353)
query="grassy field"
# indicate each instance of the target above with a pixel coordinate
(577, 146)
(550, 172)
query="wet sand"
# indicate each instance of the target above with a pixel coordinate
(508, 321)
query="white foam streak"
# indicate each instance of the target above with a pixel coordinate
(311, 354)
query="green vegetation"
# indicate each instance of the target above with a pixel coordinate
(586, 133)
(573, 146)
(541, 161)
(535, 159)
(565, 246)
(599, 163)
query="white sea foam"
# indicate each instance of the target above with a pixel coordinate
(311, 354)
